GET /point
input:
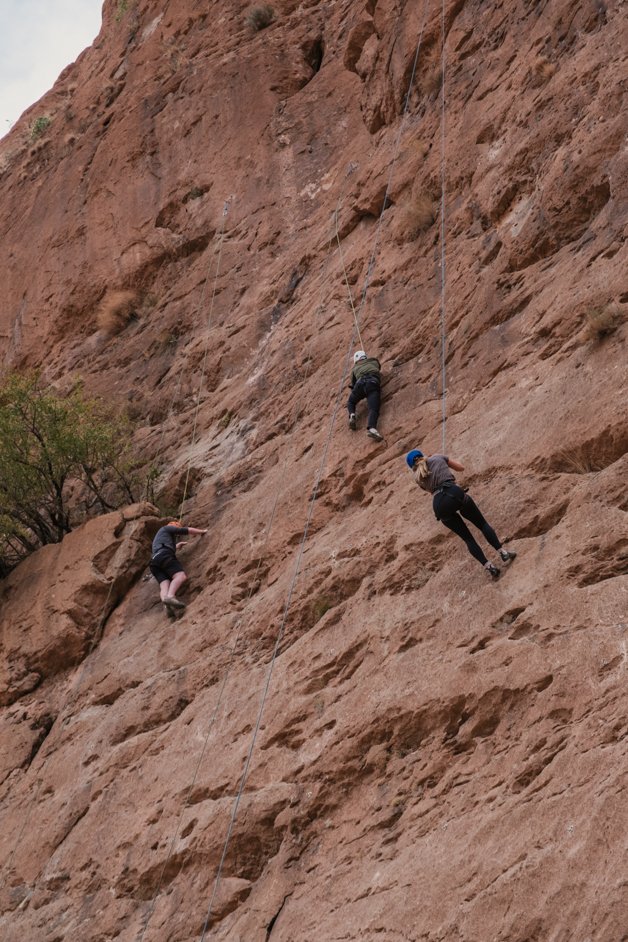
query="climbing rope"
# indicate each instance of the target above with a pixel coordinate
(225, 212)
(278, 640)
(312, 501)
(97, 635)
(279, 636)
(385, 204)
(102, 617)
(230, 662)
(238, 630)
(443, 270)
(346, 278)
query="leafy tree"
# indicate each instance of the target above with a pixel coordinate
(61, 459)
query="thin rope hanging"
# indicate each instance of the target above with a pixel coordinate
(346, 278)
(69, 703)
(205, 352)
(278, 640)
(404, 116)
(238, 631)
(443, 251)
(308, 521)
(186, 802)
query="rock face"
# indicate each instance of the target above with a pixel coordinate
(351, 733)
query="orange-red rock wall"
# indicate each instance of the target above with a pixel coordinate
(439, 757)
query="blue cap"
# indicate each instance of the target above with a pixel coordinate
(412, 456)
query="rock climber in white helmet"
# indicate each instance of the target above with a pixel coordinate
(365, 383)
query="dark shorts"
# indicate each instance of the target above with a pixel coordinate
(164, 566)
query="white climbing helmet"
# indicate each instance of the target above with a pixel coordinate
(359, 355)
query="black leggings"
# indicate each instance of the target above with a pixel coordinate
(451, 506)
(368, 389)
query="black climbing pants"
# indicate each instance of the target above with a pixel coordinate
(366, 388)
(450, 506)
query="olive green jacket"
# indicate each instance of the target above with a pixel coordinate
(362, 368)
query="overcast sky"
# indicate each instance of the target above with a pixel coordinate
(38, 38)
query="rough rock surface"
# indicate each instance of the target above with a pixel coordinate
(438, 757)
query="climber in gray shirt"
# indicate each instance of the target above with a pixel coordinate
(451, 503)
(164, 564)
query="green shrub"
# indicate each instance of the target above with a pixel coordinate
(40, 125)
(194, 194)
(320, 607)
(61, 459)
(123, 6)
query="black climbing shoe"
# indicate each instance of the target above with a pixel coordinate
(507, 556)
(374, 434)
(353, 422)
(171, 602)
(170, 612)
(492, 570)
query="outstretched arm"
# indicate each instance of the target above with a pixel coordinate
(455, 465)
(193, 531)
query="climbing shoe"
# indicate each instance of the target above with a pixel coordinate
(507, 556)
(171, 602)
(492, 570)
(169, 612)
(374, 434)
(353, 422)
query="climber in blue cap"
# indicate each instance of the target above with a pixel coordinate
(451, 503)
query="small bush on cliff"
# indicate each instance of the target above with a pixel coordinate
(320, 607)
(415, 217)
(421, 212)
(40, 125)
(260, 17)
(115, 311)
(61, 459)
(601, 321)
(541, 72)
(574, 461)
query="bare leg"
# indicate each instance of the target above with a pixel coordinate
(163, 590)
(177, 581)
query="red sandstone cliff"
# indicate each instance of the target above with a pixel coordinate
(439, 758)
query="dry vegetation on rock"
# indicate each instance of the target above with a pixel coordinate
(260, 17)
(116, 310)
(415, 215)
(602, 321)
